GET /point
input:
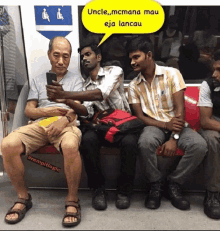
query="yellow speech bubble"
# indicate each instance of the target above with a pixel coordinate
(122, 17)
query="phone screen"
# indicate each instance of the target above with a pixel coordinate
(51, 76)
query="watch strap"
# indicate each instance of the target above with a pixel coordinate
(69, 118)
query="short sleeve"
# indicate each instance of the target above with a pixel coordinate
(78, 85)
(133, 96)
(178, 83)
(113, 79)
(33, 92)
(205, 96)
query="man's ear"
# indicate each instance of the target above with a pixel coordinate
(99, 57)
(48, 54)
(150, 55)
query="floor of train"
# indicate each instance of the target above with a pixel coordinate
(48, 211)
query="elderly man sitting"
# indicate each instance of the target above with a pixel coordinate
(61, 133)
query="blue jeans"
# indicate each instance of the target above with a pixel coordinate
(191, 142)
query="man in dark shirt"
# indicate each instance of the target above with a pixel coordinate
(209, 105)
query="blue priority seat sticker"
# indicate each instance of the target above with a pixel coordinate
(53, 20)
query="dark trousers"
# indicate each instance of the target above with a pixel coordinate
(90, 150)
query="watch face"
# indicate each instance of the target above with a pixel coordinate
(176, 136)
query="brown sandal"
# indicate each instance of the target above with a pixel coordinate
(21, 213)
(77, 215)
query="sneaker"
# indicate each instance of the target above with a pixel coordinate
(122, 201)
(99, 199)
(153, 199)
(212, 205)
(176, 197)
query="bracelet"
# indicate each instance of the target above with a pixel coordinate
(69, 118)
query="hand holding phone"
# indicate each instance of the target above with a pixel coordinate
(51, 76)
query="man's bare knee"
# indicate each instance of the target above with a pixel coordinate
(11, 145)
(70, 147)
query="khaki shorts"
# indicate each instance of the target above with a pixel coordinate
(34, 136)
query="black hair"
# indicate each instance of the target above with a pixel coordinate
(52, 40)
(217, 55)
(141, 43)
(91, 42)
(94, 47)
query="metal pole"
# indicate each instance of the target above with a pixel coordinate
(4, 113)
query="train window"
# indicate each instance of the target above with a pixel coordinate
(187, 44)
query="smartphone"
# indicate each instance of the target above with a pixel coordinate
(51, 76)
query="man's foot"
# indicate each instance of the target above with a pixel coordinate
(176, 197)
(212, 205)
(17, 212)
(122, 201)
(72, 216)
(99, 200)
(153, 199)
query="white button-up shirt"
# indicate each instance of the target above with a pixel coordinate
(110, 82)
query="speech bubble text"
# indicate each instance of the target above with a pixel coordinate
(122, 17)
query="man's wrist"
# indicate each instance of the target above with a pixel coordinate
(62, 95)
(165, 126)
(65, 120)
(68, 102)
(172, 139)
(174, 136)
(68, 118)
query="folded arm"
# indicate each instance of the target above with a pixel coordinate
(206, 120)
(33, 112)
(137, 111)
(179, 110)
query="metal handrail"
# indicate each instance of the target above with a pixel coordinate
(4, 113)
(3, 96)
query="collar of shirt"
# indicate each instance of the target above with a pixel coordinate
(61, 80)
(159, 71)
(100, 74)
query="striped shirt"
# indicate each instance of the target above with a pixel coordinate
(110, 82)
(157, 99)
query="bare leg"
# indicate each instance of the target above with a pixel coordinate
(72, 169)
(12, 148)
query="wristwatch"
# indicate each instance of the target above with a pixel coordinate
(175, 136)
(68, 118)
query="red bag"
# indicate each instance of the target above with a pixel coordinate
(115, 123)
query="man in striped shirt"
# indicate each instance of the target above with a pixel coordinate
(156, 96)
